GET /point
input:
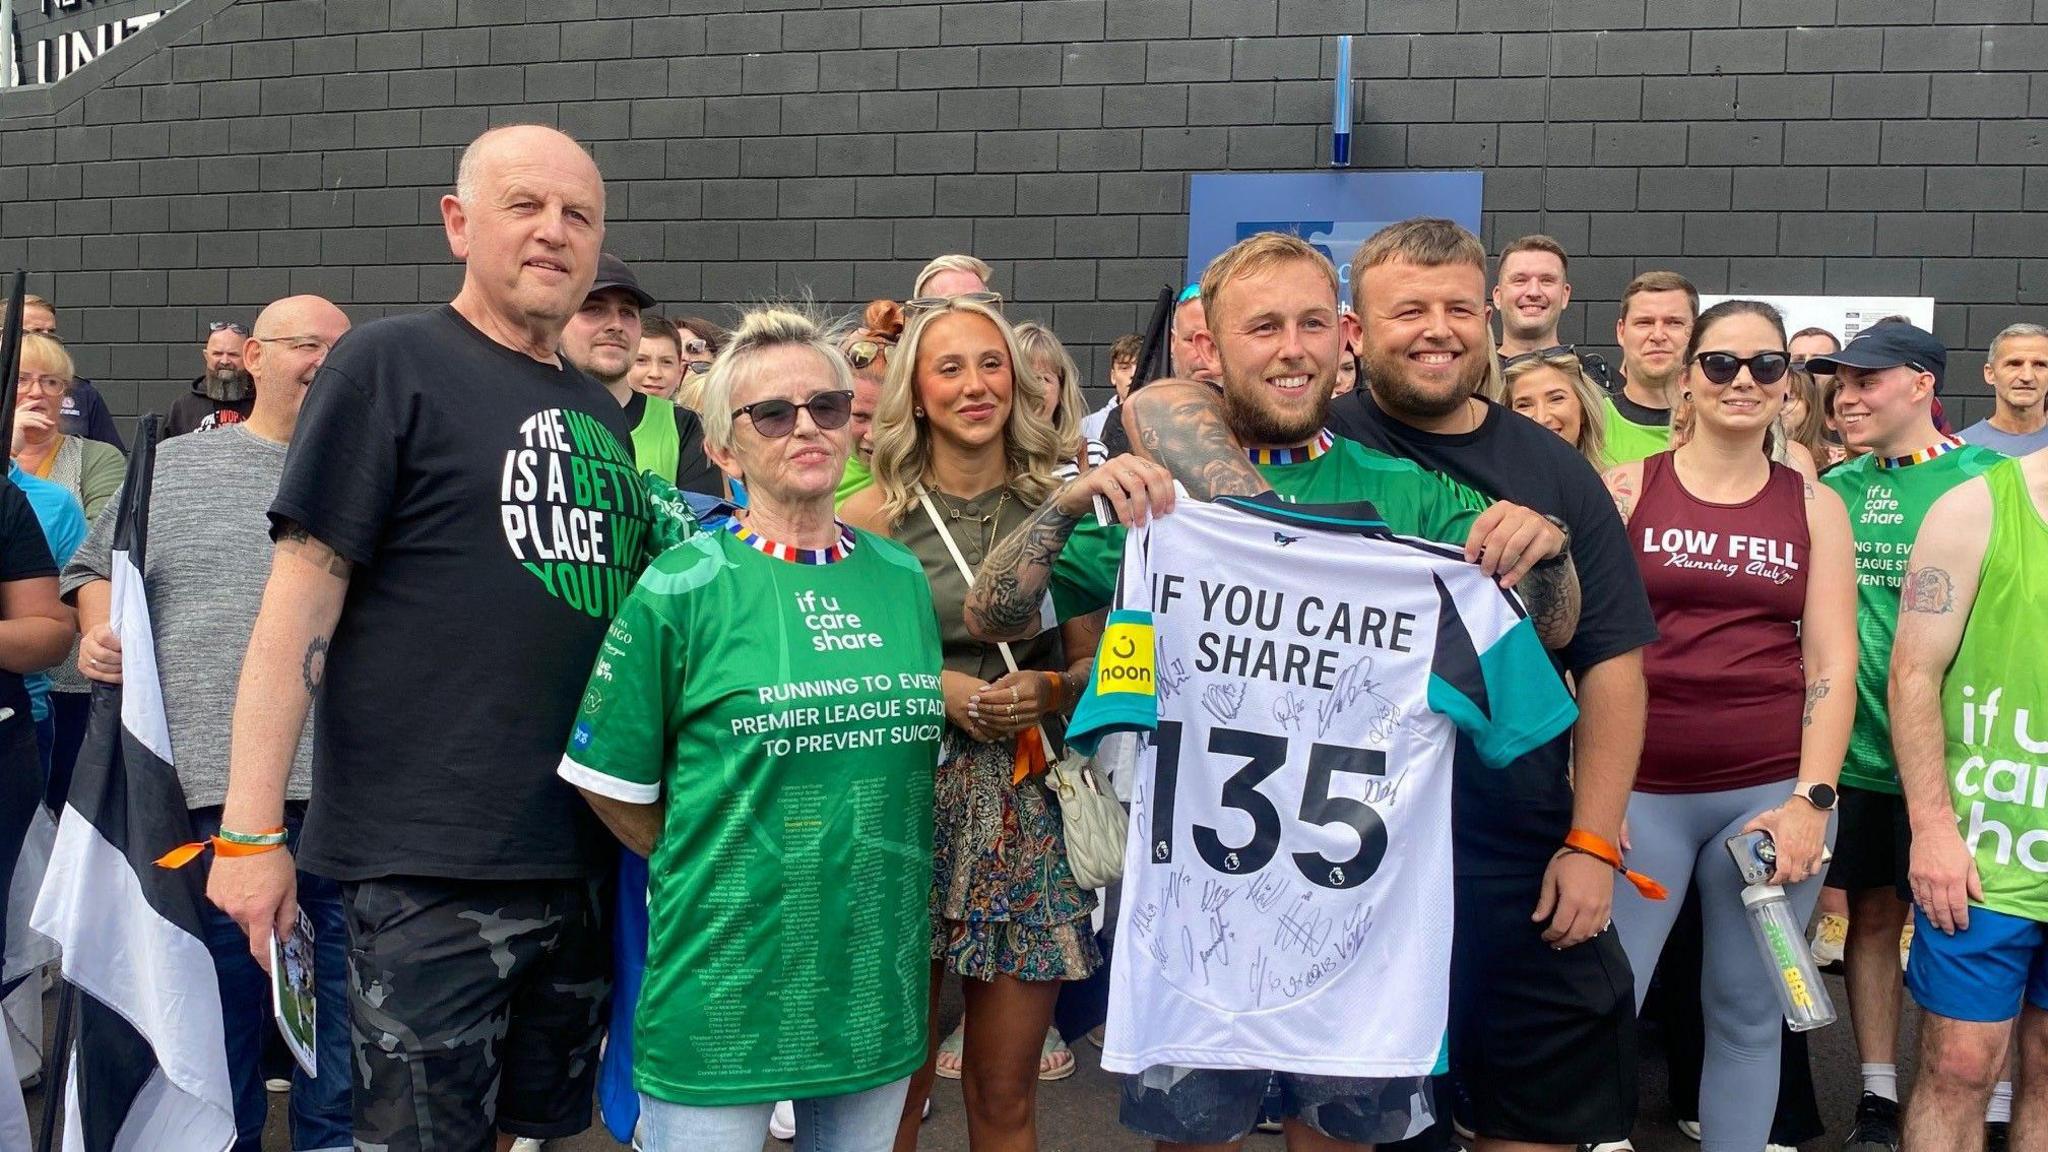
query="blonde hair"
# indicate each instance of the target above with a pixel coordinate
(952, 262)
(763, 330)
(903, 443)
(1811, 432)
(49, 355)
(1592, 442)
(1255, 254)
(1037, 342)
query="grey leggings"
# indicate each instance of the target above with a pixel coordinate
(1678, 839)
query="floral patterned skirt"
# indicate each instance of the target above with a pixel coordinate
(1004, 901)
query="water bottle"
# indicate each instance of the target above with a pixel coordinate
(1783, 942)
(1116, 760)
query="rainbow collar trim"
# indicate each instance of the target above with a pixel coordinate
(760, 543)
(1940, 447)
(1301, 455)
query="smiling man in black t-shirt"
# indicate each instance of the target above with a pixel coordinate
(458, 520)
(1542, 1010)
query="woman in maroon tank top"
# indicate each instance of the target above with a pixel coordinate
(1750, 570)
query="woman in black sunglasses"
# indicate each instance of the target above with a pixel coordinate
(1750, 570)
(963, 454)
(762, 724)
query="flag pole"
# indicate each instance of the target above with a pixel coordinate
(10, 354)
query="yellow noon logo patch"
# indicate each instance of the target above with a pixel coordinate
(1124, 661)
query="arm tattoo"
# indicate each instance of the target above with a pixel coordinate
(1929, 590)
(1185, 433)
(294, 538)
(1815, 693)
(1003, 603)
(1551, 593)
(1624, 492)
(314, 669)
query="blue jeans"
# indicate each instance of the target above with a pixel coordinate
(859, 1122)
(320, 1105)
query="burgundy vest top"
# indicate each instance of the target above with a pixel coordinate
(1728, 585)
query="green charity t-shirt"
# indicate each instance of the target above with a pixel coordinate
(1412, 501)
(1886, 505)
(1995, 700)
(789, 715)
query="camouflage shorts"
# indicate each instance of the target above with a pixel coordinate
(477, 1006)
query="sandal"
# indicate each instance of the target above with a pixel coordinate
(1055, 1059)
(947, 1063)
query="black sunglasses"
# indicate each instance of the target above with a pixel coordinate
(919, 304)
(227, 326)
(777, 418)
(862, 353)
(696, 367)
(1766, 368)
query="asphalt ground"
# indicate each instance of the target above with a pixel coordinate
(1078, 1114)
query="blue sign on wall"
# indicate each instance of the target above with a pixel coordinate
(1335, 211)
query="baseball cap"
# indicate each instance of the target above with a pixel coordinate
(1887, 346)
(613, 273)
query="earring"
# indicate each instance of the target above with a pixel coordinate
(918, 412)
(1686, 395)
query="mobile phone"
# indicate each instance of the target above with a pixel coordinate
(1756, 856)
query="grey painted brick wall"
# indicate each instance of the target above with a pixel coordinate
(771, 147)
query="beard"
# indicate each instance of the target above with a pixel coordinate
(1387, 375)
(227, 385)
(1254, 418)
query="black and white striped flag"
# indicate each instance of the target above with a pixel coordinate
(148, 1068)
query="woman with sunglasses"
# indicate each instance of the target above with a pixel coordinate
(963, 455)
(697, 341)
(1750, 571)
(867, 349)
(1550, 386)
(762, 724)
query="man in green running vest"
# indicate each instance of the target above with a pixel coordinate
(601, 340)
(1967, 692)
(1657, 311)
(1886, 380)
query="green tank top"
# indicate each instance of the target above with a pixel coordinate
(1995, 699)
(656, 447)
(1628, 441)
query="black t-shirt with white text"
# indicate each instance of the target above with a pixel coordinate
(1511, 821)
(494, 521)
(24, 555)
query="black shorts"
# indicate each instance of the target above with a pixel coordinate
(1220, 1105)
(476, 1007)
(1873, 843)
(1543, 1042)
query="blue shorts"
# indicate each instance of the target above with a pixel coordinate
(1220, 1105)
(1983, 972)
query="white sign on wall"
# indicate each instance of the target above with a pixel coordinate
(1844, 316)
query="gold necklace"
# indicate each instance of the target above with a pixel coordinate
(988, 520)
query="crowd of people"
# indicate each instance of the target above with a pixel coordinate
(638, 708)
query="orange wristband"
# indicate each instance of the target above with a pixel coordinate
(184, 854)
(1059, 691)
(1587, 844)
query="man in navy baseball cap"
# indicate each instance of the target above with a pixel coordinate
(1887, 346)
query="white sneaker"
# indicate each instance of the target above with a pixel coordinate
(526, 1144)
(1690, 1129)
(1616, 1146)
(782, 1121)
(282, 1084)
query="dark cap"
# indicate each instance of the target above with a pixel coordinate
(613, 273)
(1887, 346)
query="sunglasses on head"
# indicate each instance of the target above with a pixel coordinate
(1766, 368)
(1541, 354)
(227, 326)
(697, 348)
(862, 353)
(940, 303)
(777, 418)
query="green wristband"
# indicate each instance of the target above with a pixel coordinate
(259, 840)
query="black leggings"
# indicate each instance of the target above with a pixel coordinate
(21, 789)
(1675, 1004)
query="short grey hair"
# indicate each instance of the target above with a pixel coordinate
(2016, 332)
(466, 175)
(761, 330)
(952, 262)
